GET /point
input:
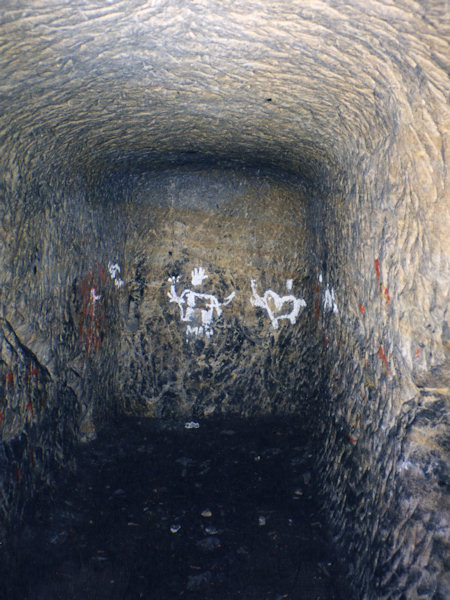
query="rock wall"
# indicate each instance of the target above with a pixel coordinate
(298, 145)
(217, 286)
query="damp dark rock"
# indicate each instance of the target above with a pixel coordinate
(151, 538)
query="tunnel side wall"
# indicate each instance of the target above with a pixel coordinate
(58, 306)
(386, 457)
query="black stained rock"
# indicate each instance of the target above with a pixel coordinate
(129, 525)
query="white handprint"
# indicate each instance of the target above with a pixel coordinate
(198, 275)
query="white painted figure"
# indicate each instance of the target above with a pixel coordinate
(197, 309)
(278, 307)
(329, 302)
(328, 299)
(94, 297)
(114, 270)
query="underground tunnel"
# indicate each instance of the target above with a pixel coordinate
(224, 268)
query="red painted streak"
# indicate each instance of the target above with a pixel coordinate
(417, 352)
(32, 373)
(10, 378)
(102, 273)
(91, 321)
(382, 356)
(30, 407)
(377, 269)
(351, 439)
(1, 418)
(317, 308)
(362, 309)
(386, 295)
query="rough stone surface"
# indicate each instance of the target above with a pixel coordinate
(238, 229)
(257, 140)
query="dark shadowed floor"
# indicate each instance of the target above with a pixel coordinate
(221, 511)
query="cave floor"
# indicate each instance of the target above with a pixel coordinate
(222, 511)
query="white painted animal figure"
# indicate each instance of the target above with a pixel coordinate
(197, 308)
(277, 307)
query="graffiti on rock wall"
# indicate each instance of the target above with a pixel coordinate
(382, 357)
(329, 301)
(328, 298)
(91, 292)
(278, 307)
(90, 328)
(197, 309)
(377, 269)
(92, 310)
(382, 288)
(114, 271)
(325, 304)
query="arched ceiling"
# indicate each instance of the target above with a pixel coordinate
(298, 85)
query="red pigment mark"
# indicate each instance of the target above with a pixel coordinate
(362, 309)
(417, 352)
(1, 418)
(92, 313)
(102, 273)
(377, 268)
(9, 379)
(30, 408)
(382, 356)
(317, 309)
(386, 295)
(351, 439)
(32, 374)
